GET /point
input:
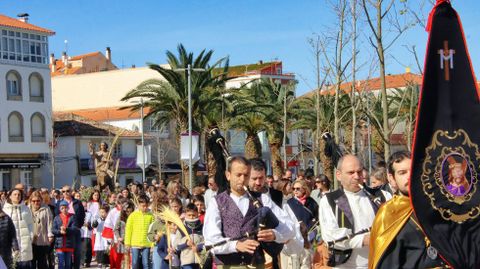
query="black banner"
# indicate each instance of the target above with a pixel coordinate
(444, 187)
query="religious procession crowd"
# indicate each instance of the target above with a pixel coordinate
(296, 222)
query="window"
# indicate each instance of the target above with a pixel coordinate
(15, 127)
(26, 177)
(36, 87)
(117, 150)
(23, 47)
(151, 125)
(14, 89)
(5, 179)
(37, 123)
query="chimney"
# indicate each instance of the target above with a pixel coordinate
(52, 62)
(64, 58)
(23, 17)
(260, 62)
(108, 54)
(407, 70)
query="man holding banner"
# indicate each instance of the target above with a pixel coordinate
(444, 191)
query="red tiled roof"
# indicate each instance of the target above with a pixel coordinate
(69, 124)
(60, 66)
(107, 113)
(14, 23)
(392, 81)
(86, 55)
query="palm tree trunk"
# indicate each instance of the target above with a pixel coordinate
(326, 162)
(276, 160)
(253, 147)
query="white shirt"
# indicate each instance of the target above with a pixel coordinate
(209, 194)
(294, 246)
(363, 216)
(212, 228)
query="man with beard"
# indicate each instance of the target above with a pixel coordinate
(397, 239)
(257, 182)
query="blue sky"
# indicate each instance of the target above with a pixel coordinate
(247, 31)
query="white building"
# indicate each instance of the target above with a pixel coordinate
(73, 163)
(26, 101)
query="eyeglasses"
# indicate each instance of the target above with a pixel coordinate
(64, 191)
(35, 201)
(297, 189)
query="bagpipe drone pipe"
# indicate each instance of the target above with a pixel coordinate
(266, 219)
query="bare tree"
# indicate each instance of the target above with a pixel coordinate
(381, 42)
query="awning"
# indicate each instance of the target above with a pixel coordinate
(22, 164)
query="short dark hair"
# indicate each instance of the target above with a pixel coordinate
(105, 207)
(258, 164)
(324, 179)
(396, 158)
(199, 198)
(143, 199)
(236, 159)
(191, 207)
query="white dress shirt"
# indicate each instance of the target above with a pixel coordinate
(212, 228)
(363, 216)
(209, 194)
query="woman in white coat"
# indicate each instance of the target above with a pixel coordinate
(23, 221)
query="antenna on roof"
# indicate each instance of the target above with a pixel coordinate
(66, 46)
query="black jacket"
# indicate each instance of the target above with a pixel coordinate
(8, 235)
(79, 212)
(64, 240)
(277, 196)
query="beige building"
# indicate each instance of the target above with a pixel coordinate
(81, 64)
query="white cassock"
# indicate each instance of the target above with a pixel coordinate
(363, 216)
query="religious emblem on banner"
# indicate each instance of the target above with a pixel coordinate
(449, 172)
(446, 59)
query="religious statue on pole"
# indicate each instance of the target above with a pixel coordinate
(103, 163)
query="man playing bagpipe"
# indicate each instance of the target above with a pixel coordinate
(347, 214)
(234, 214)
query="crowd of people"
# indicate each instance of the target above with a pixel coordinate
(302, 220)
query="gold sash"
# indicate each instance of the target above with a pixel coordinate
(390, 219)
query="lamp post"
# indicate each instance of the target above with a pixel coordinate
(143, 137)
(189, 70)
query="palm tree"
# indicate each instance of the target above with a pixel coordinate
(168, 98)
(277, 100)
(306, 118)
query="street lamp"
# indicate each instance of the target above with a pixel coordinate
(189, 70)
(143, 137)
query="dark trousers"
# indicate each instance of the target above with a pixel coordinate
(77, 251)
(40, 254)
(102, 257)
(86, 250)
(51, 257)
(191, 266)
(24, 265)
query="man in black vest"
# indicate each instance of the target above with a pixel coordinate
(257, 183)
(231, 214)
(346, 211)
